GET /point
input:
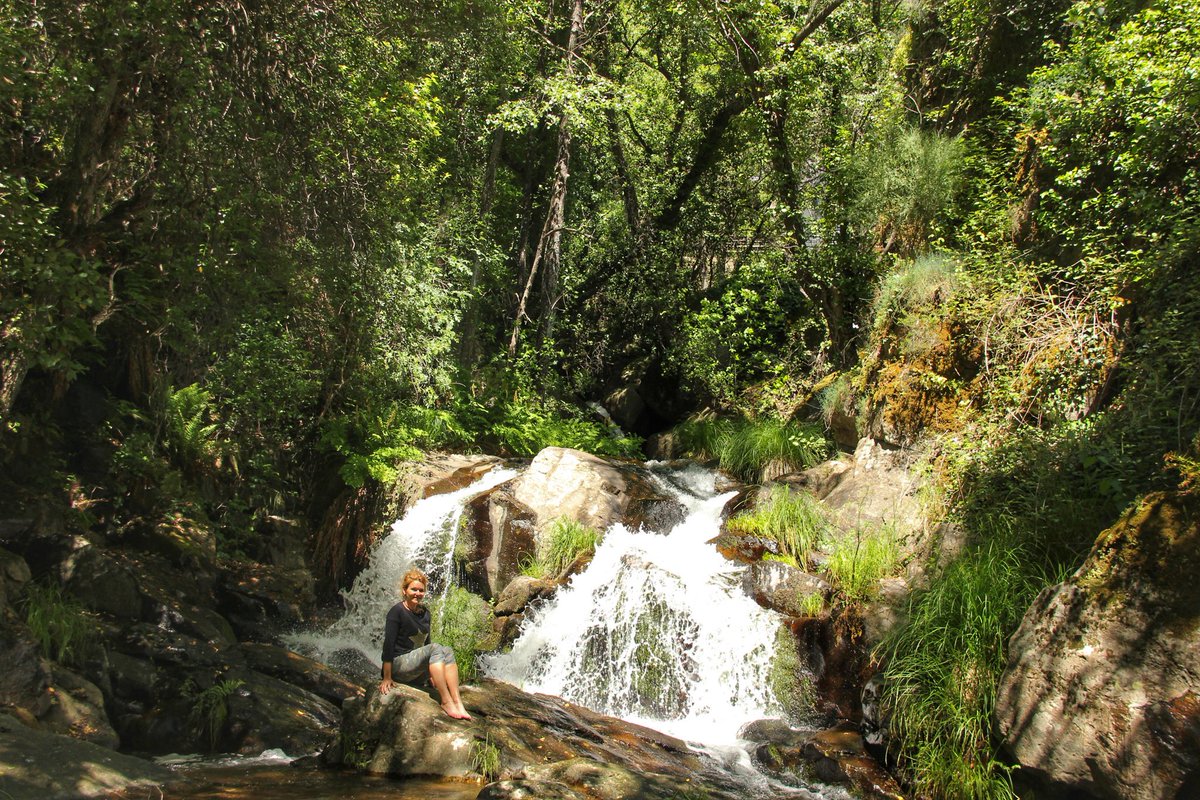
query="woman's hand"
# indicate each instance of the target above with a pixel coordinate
(386, 685)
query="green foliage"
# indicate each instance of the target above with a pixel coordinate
(524, 427)
(793, 519)
(860, 559)
(564, 542)
(60, 625)
(463, 622)
(754, 449)
(746, 333)
(210, 709)
(485, 757)
(942, 669)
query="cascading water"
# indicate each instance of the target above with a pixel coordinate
(657, 630)
(423, 537)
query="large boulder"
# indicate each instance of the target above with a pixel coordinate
(593, 491)
(541, 746)
(44, 766)
(1100, 692)
(507, 524)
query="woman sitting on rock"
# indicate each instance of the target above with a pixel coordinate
(405, 651)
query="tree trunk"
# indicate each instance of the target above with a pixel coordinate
(549, 247)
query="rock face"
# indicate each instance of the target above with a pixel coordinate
(1101, 689)
(540, 747)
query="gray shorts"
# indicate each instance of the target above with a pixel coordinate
(412, 664)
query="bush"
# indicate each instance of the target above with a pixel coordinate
(461, 621)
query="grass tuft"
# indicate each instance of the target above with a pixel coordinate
(859, 560)
(59, 623)
(943, 668)
(754, 450)
(565, 542)
(793, 519)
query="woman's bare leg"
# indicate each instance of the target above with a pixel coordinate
(452, 686)
(438, 673)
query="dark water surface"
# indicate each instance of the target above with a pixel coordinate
(280, 781)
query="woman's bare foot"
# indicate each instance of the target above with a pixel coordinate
(462, 710)
(452, 710)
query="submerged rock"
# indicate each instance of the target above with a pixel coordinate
(1100, 693)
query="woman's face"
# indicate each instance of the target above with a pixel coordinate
(414, 593)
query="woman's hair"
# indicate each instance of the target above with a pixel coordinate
(412, 576)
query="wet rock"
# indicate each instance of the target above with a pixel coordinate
(1100, 690)
(773, 731)
(43, 766)
(839, 756)
(520, 592)
(836, 755)
(497, 534)
(784, 588)
(406, 733)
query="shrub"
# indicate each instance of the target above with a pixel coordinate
(462, 621)
(793, 519)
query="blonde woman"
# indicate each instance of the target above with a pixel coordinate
(405, 650)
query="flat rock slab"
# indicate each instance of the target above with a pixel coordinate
(44, 766)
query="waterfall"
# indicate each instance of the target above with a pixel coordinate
(657, 630)
(424, 538)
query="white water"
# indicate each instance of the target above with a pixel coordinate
(424, 538)
(657, 630)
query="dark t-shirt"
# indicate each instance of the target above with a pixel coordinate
(405, 630)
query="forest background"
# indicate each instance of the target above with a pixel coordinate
(255, 255)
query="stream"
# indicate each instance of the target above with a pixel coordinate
(657, 630)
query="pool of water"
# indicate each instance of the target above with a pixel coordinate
(281, 781)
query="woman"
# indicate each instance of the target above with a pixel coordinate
(404, 648)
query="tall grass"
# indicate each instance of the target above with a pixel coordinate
(59, 623)
(754, 450)
(565, 542)
(793, 519)
(943, 668)
(860, 559)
